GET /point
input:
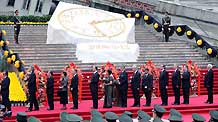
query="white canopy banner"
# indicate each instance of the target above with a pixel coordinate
(95, 52)
(75, 24)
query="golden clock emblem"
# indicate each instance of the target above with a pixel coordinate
(91, 22)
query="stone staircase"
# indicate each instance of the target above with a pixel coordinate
(33, 49)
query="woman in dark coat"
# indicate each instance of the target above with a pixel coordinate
(108, 85)
(63, 90)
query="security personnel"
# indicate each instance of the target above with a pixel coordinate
(157, 120)
(175, 112)
(21, 117)
(123, 79)
(5, 92)
(208, 83)
(135, 85)
(163, 84)
(158, 111)
(95, 113)
(176, 83)
(198, 118)
(32, 91)
(143, 116)
(50, 90)
(94, 87)
(111, 117)
(186, 85)
(166, 21)
(128, 113)
(175, 116)
(33, 119)
(74, 89)
(125, 118)
(213, 116)
(147, 85)
(73, 118)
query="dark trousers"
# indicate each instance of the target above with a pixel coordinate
(33, 101)
(166, 33)
(16, 32)
(164, 96)
(177, 95)
(186, 92)
(123, 97)
(50, 101)
(210, 94)
(136, 97)
(94, 92)
(148, 97)
(6, 102)
(75, 98)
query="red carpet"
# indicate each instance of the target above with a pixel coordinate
(196, 105)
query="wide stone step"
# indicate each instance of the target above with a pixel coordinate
(167, 50)
(48, 58)
(47, 55)
(169, 53)
(45, 49)
(170, 56)
(42, 46)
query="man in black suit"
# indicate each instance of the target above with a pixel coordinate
(135, 85)
(5, 92)
(208, 83)
(32, 91)
(176, 82)
(74, 89)
(50, 90)
(147, 86)
(163, 84)
(123, 79)
(186, 85)
(94, 87)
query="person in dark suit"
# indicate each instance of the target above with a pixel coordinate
(94, 87)
(147, 86)
(135, 85)
(186, 85)
(74, 89)
(176, 83)
(50, 90)
(123, 79)
(163, 84)
(32, 91)
(208, 83)
(16, 26)
(166, 21)
(5, 92)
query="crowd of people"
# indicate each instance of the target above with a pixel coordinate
(138, 81)
(96, 116)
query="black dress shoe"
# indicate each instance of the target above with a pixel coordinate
(146, 105)
(28, 111)
(75, 108)
(210, 102)
(36, 109)
(206, 102)
(49, 109)
(94, 108)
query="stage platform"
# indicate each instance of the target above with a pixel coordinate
(196, 105)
